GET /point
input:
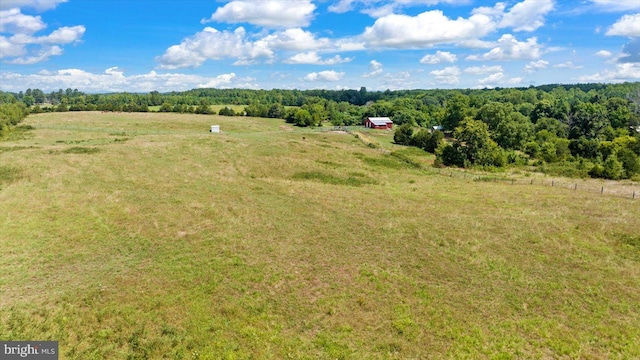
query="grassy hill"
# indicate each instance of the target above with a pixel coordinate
(143, 235)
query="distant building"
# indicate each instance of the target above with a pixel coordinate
(437, 127)
(215, 128)
(378, 123)
(637, 128)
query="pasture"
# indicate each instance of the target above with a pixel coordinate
(144, 236)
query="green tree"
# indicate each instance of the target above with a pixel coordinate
(302, 117)
(514, 131)
(421, 138)
(493, 113)
(477, 145)
(456, 109)
(403, 134)
(589, 120)
(436, 139)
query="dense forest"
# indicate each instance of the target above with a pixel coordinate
(574, 130)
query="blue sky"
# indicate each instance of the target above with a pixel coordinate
(166, 45)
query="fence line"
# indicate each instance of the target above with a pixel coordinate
(603, 189)
(633, 194)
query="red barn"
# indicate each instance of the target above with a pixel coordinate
(378, 123)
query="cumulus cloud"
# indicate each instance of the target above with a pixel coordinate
(399, 80)
(484, 69)
(617, 5)
(568, 65)
(212, 44)
(313, 58)
(628, 25)
(509, 48)
(112, 80)
(377, 8)
(631, 52)
(375, 69)
(438, 57)
(44, 54)
(327, 75)
(515, 81)
(603, 53)
(426, 29)
(20, 43)
(619, 73)
(527, 15)
(208, 44)
(449, 75)
(14, 21)
(534, 66)
(294, 39)
(492, 79)
(39, 5)
(268, 13)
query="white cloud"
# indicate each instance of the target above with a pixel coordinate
(349, 45)
(527, 15)
(212, 44)
(112, 80)
(44, 54)
(22, 46)
(492, 79)
(509, 48)
(294, 39)
(63, 35)
(268, 13)
(424, 30)
(628, 25)
(534, 66)
(515, 81)
(39, 5)
(449, 75)
(341, 6)
(438, 57)
(484, 69)
(379, 8)
(314, 59)
(568, 65)
(399, 80)
(14, 21)
(375, 69)
(603, 53)
(617, 5)
(620, 73)
(327, 75)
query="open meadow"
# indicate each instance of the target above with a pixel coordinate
(144, 236)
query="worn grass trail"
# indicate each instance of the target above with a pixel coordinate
(271, 242)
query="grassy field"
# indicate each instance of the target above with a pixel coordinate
(273, 242)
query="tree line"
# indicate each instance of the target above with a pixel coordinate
(576, 130)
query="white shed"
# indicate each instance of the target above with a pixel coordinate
(215, 128)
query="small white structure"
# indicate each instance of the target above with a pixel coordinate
(215, 129)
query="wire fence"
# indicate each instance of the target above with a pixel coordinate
(628, 191)
(618, 189)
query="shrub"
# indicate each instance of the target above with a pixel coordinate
(403, 134)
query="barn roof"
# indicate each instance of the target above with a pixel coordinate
(380, 121)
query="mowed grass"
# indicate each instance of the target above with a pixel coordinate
(273, 242)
